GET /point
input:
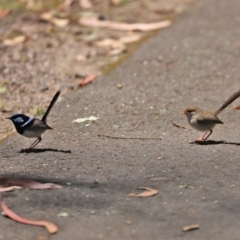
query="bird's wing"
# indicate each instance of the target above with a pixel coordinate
(38, 124)
(209, 118)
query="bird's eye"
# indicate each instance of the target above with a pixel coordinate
(18, 119)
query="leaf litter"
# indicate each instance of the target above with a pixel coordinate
(8, 189)
(63, 214)
(117, 46)
(14, 37)
(144, 27)
(191, 227)
(81, 120)
(51, 227)
(9, 184)
(56, 18)
(86, 80)
(149, 192)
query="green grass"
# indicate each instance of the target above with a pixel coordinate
(19, 6)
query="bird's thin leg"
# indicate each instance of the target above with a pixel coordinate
(210, 132)
(203, 138)
(36, 142)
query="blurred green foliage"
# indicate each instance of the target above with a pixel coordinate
(29, 5)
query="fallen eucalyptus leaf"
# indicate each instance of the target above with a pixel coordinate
(8, 189)
(25, 183)
(149, 192)
(94, 22)
(53, 17)
(190, 227)
(14, 37)
(86, 80)
(81, 120)
(63, 214)
(51, 228)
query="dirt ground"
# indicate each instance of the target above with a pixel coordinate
(58, 57)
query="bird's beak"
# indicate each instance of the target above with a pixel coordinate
(8, 118)
(183, 112)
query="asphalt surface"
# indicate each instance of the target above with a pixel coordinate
(193, 62)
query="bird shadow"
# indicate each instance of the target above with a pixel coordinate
(212, 142)
(40, 150)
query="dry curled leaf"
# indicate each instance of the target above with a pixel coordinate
(93, 22)
(130, 38)
(86, 80)
(8, 189)
(149, 192)
(14, 37)
(117, 46)
(81, 120)
(54, 18)
(63, 214)
(25, 183)
(114, 46)
(190, 227)
(51, 228)
(85, 4)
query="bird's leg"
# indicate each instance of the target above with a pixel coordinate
(36, 142)
(210, 132)
(204, 137)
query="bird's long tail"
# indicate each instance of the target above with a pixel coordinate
(44, 118)
(228, 102)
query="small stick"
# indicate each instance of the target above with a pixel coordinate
(177, 125)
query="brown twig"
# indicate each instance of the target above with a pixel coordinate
(177, 125)
(113, 137)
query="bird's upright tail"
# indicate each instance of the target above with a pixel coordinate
(44, 118)
(228, 102)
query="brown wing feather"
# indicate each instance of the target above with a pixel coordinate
(209, 117)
